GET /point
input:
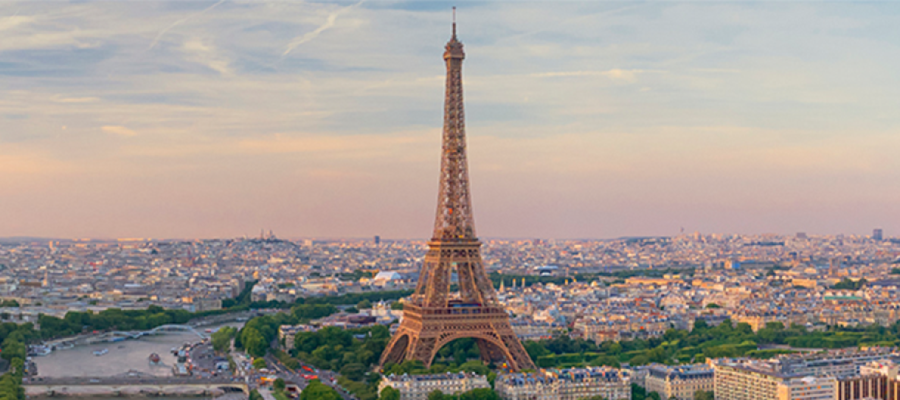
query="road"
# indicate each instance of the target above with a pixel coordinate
(327, 377)
(266, 394)
(202, 355)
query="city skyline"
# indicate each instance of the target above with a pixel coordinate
(585, 120)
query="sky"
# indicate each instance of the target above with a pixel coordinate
(596, 119)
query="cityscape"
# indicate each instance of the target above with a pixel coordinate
(689, 315)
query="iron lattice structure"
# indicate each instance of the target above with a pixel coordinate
(434, 316)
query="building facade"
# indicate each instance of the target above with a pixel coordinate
(417, 387)
(286, 334)
(680, 382)
(527, 386)
(837, 363)
(566, 384)
(807, 388)
(745, 381)
(862, 386)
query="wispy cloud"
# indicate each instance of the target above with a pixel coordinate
(329, 22)
(181, 21)
(206, 54)
(558, 96)
(61, 99)
(119, 130)
(617, 74)
(11, 22)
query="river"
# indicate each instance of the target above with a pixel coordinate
(125, 356)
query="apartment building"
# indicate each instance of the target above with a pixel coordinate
(581, 383)
(807, 388)
(843, 362)
(286, 334)
(746, 380)
(680, 382)
(527, 386)
(417, 387)
(567, 384)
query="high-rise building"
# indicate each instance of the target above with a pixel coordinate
(434, 316)
(377, 240)
(877, 234)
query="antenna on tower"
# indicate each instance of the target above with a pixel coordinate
(454, 21)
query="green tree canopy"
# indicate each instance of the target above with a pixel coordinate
(316, 390)
(259, 363)
(389, 393)
(704, 395)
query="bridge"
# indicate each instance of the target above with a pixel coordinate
(132, 384)
(90, 338)
(173, 328)
(114, 336)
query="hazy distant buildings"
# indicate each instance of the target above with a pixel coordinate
(877, 234)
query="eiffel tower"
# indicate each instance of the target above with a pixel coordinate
(434, 316)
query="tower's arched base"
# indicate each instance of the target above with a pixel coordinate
(425, 330)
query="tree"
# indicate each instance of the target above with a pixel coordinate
(221, 339)
(396, 305)
(259, 363)
(849, 284)
(354, 371)
(638, 392)
(351, 310)
(316, 390)
(436, 395)
(278, 384)
(704, 395)
(364, 304)
(389, 393)
(480, 394)
(254, 342)
(653, 395)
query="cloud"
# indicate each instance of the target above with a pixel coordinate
(615, 74)
(181, 21)
(61, 99)
(329, 22)
(563, 103)
(119, 130)
(207, 54)
(355, 146)
(11, 22)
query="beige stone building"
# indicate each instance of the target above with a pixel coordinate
(745, 381)
(758, 380)
(680, 382)
(808, 388)
(527, 386)
(566, 384)
(417, 387)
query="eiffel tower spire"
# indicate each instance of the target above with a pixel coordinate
(434, 316)
(454, 211)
